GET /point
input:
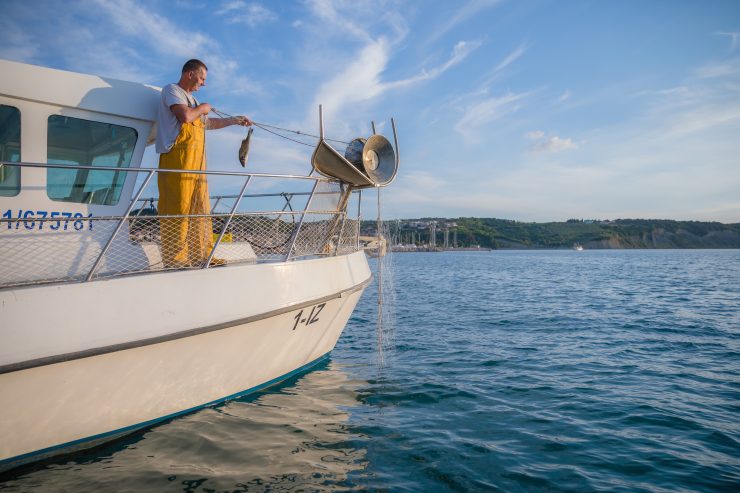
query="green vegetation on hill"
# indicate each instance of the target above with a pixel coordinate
(620, 233)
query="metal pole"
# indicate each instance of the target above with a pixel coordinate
(395, 141)
(359, 217)
(321, 122)
(300, 223)
(380, 278)
(120, 225)
(228, 222)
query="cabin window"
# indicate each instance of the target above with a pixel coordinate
(10, 150)
(78, 142)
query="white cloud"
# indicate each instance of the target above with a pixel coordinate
(327, 12)
(251, 14)
(564, 97)
(734, 38)
(486, 111)
(478, 108)
(680, 91)
(359, 76)
(494, 74)
(161, 34)
(98, 59)
(701, 104)
(703, 117)
(512, 57)
(465, 12)
(361, 80)
(16, 44)
(677, 159)
(190, 4)
(626, 184)
(461, 50)
(227, 7)
(554, 144)
(727, 68)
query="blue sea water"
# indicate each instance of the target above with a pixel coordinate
(501, 371)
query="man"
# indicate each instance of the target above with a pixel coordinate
(181, 126)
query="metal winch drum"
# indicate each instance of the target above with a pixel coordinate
(368, 162)
(374, 157)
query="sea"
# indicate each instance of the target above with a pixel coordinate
(552, 370)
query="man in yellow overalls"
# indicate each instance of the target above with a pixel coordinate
(181, 126)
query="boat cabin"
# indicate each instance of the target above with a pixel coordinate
(54, 117)
(58, 117)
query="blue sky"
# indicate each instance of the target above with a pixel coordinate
(531, 110)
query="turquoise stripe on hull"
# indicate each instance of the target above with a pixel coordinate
(48, 452)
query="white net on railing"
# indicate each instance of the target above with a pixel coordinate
(50, 250)
(348, 238)
(64, 250)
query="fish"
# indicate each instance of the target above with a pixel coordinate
(244, 149)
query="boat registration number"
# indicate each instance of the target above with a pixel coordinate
(54, 220)
(309, 319)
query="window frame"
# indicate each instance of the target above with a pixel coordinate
(16, 170)
(81, 157)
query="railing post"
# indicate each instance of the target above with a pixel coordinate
(228, 222)
(119, 226)
(359, 217)
(300, 223)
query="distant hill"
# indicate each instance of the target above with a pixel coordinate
(620, 233)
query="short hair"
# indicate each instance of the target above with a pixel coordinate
(193, 64)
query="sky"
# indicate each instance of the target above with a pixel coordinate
(532, 110)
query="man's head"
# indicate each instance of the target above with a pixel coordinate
(193, 76)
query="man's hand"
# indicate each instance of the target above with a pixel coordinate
(242, 120)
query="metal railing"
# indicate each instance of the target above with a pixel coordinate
(53, 246)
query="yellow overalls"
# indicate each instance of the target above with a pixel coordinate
(185, 241)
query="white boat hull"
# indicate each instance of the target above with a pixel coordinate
(99, 335)
(135, 375)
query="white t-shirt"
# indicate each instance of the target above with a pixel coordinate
(168, 126)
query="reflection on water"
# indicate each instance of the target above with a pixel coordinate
(294, 437)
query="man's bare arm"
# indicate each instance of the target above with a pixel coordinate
(185, 114)
(216, 123)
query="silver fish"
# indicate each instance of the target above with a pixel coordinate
(244, 149)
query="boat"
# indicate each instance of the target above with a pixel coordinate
(98, 337)
(577, 247)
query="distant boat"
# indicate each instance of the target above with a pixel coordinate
(577, 247)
